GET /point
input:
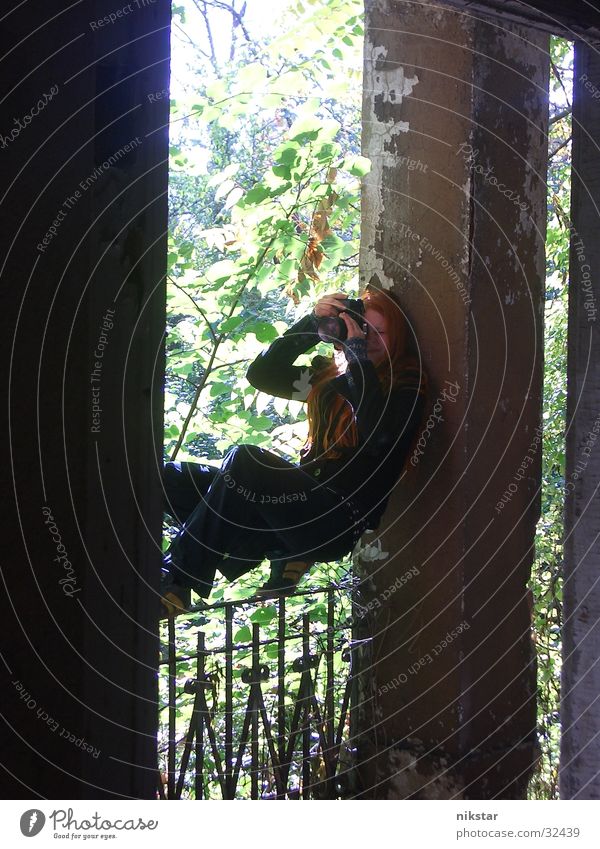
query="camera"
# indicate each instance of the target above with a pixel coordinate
(333, 328)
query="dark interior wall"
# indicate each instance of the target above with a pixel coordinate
(83, 148)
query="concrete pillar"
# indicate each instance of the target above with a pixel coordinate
(580, 705)
(455, 121)
(83, 221)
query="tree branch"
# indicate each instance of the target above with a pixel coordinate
(200, 310)
(213, 56)
(559, 78)
(560, 147)
(238, 16)
(217, 342)
(184, 33)
(559, 116)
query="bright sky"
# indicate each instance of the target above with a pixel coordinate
(182, 53)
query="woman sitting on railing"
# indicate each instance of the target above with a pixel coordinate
(364, 405)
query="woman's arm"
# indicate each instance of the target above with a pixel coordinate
(274, 372)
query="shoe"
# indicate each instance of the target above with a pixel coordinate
(174, 600)
(276, 587)
(284, 583)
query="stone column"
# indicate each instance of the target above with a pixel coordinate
(83, 223)
(455, 121)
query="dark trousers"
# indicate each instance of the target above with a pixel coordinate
(256, 505)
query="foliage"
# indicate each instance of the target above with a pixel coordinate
(546, 580)
(263, 219)
(274, 222)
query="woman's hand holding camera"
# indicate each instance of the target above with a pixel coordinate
(337, 316)
(354, 329)
(333, 306)
(330, 305)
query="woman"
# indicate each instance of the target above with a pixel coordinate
(364, 405)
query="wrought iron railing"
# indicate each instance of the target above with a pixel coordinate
(264, 712)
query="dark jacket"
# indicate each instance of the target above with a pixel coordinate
(386, 423)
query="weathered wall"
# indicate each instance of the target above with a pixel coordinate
(83, 217)
(455, 123)
(568, 18)
(580, 706)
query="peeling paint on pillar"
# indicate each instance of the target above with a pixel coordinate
(410, 779)
(392, 87)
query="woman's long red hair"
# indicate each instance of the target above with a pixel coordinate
(334, 422)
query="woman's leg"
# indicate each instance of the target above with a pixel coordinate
(259, 503)
(185, 485)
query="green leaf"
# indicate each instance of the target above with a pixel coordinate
(263, 331)
(217, 90)
(260, 422)
(223, 175)
(306, 129)
(186, 249)
(243, 635)
(233, 197)
(267, 284)
(283, 171)
(182, 368)
(211, 113)
(287, 154)
(256, 195)
(251, 76)
(358, 166)
(264, 615)
(219, 389)
(272, 100)
(224, 189)
(287, 268)
(220, 271)
(230, 323)
(319, 614)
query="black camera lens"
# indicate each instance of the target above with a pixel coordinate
(333, 329)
